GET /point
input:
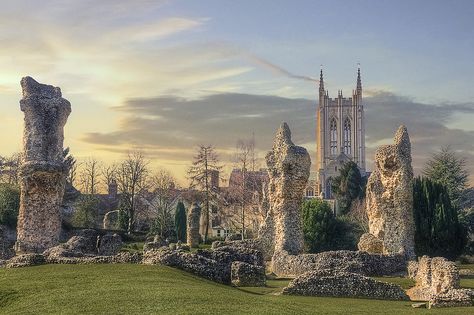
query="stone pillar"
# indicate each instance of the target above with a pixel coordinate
(389, 199)
(42, 170)
(192, 230)
(288, 169)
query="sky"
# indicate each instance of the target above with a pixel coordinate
(166, 76)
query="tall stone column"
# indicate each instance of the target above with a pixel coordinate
(192, 230)
(42, 170)
(288, 169)
(390, 200)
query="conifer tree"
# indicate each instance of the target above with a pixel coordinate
(348, 186)
(180, 222)
(437, 229)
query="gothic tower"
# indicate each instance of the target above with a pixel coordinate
(340, 134)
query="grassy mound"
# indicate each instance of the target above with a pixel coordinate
(139, 289)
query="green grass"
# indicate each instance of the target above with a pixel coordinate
(405, 283)
(133, 247)
(140, 289)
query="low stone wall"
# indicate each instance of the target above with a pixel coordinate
(452, 298)
(199, 265)
(27, 260)
(285, 265)
(214, 265)
(247, 275)
(343, 284)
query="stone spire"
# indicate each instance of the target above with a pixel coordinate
(321, 83)
(359, 82)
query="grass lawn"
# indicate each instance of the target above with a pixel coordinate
(140, 289)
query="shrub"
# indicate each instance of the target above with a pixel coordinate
(86, 212)
(323, 231)
(348, 186)
(9, 204)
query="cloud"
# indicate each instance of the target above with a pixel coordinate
(277, 69)
(170, 127)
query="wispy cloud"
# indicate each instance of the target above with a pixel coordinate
(277, 69)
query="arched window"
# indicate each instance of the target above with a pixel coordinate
(333, 137)
(347, 136)
(328, 193)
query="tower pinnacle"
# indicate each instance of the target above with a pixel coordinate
(321, 82)
(359, 82)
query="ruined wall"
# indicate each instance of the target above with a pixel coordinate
(390, 198)
(433, 276)
(42, 171)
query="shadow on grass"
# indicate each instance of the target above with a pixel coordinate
(7, 297)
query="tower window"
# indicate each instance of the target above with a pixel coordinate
(333, 137)
(347, 136)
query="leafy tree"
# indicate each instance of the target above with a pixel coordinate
(437, 229)
(466, 217)
(86, 211)
(446, 167)
(322, 230)
(348, 186)
(205, 163)
(124, 210)
(180, 222)
(9, 204)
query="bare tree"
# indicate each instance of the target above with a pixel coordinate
(254, 160)
(132, 175)
(243, 158)
(89, 176)
(163, 185)
(9, 168)
(109, 174)
(246, 186)
(72, 167)
(204, 164)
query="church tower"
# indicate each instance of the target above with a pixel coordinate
(340, 134)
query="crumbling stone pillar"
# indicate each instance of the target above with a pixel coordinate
(42, 170)
(390, 199)
(192, 230)
(288, 169)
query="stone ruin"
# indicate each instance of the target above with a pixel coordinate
(193, 224)
(390, 200)
(343, 284)
(43, 170)
(437, 281)
(227, 264)
(288, 169)
(111, 220)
